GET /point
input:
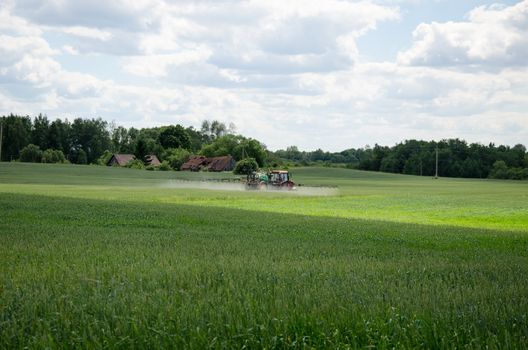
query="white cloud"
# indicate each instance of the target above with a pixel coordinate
(492, 36)
(86, 32)
(283, 72)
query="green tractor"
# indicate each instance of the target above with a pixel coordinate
(272, 180)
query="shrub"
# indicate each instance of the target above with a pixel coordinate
(31, 153)
(135, 164)
(164, 166)
(104, 158)
(176, 157)
(246, 166)
(151, 167)
(499, 170)
(78, 156)
(53, 156)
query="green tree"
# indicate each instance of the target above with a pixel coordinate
(174, 136)
(90, 135)
(59, 135)
(31, 153)
(176, 157)
(499, 170)
(16, 135)
(40, 132)
(53, 156)
(250, 148)
(245, 166)
(104, 158)
(141, 148)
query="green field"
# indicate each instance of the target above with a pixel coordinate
(97, 257)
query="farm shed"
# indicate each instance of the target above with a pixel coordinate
(195, 163)
(226, 163)
(120, 159)
(151, 159)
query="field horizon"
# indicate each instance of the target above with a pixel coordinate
(107, 257)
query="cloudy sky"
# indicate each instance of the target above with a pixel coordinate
(313, 73)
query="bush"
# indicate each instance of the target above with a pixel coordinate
(176, 157)
(78, 156)
(499, 170)
(151, 167)
(246, 166)
(31, 154)
(53, 156)
(164, 166)
(104, 158)
(135, 164)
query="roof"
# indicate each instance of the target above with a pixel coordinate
(221, 163)
(279, 171)
(152, 160)
(194, 163)
(121, 159)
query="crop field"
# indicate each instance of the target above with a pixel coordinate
(98, 257)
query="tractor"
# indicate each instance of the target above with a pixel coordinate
(273, 180)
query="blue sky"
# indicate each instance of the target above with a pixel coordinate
(330, 74)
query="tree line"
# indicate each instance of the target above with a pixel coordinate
(456, 158)
(93, 141)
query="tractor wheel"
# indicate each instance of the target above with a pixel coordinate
(288, 185)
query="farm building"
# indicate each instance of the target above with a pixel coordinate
(151, 159)
(226, 163)
(195, 163)
(120, 159)
(198, 163)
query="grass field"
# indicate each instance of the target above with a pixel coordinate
(94, 257)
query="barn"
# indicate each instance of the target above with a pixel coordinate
(120, 159)
(151, 159)
(226, 163)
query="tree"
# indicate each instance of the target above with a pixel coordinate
(214, 129)
(104, 158)
(499, 170)
(196, 139)
(40, 132)
(31, 153)
(122, 140)
(218, 129)
(175, 136)
(53, 156)
(141, 148)
(92, 136)
(246, 166)
(59, 135)
(16, 135)
(250, 148)
(176, 157)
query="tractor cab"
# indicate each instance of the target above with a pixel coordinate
(280, 179)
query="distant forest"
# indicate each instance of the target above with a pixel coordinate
(93, 141)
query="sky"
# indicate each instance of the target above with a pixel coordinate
(330, 74)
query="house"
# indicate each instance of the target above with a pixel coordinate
(151, 159)
(120, 159)
(197, 163)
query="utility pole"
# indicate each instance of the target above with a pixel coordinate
(436, 172)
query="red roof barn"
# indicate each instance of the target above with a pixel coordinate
(120, 159)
